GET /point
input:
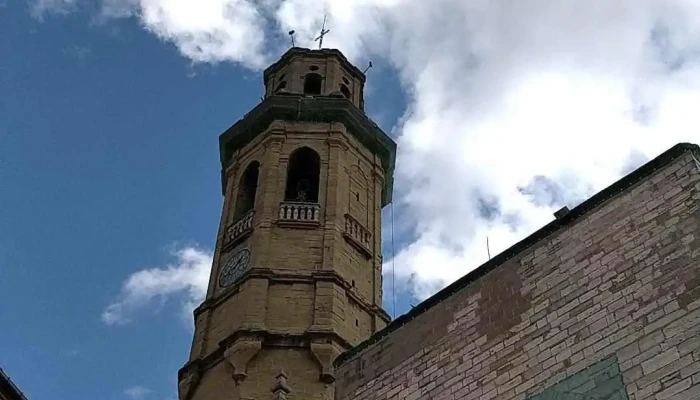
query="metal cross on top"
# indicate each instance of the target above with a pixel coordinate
(319, 39)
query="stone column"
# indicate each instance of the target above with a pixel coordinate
(378, 182)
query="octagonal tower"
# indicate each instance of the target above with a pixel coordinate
(296, 278)
(314, 73)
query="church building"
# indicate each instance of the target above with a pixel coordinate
(602, 303)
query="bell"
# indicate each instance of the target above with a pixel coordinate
(302, 189)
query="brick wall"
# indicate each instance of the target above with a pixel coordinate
(604, 304)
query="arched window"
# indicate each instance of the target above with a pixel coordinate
(245, 200)
(345, 91)
(303, 176)
(280, 86)
(312, 83)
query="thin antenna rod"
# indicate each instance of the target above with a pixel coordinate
(319, 39)
(488, 250)
(393, 269)
(368, 67)
(291, 35)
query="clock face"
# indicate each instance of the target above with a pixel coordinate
(234, 267)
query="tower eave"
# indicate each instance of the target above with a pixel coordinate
(293, 107)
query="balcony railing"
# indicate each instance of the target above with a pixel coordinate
(299, 213)
(357, 235)
(239, 229)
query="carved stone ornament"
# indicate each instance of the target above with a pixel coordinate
(239, 355)
(325, 354)
(280, 389)
(186, 387)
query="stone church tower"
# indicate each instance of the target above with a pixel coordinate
(296, 278)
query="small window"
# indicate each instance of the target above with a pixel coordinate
(312, 84)
(281, 78)
(313, 68)
(346, 81)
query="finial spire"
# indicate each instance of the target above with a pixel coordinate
(319, 39)
(280, 389)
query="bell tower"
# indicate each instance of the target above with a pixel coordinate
(296, 278)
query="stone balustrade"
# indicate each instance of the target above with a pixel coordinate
(239, 229)
(300, 212)
(358, 235)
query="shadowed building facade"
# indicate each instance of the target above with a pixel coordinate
(602, 303)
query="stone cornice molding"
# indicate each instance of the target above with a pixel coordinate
(286, 276)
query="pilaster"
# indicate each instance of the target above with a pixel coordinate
(337, 148)
(256, 304)
(378, 181)
(270, 191)
(323, 306)
(223, 223)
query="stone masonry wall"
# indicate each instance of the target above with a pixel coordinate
(310, 291)
(606, 307)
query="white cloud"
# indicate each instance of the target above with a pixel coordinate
(40, 8)
(552, 95)
(204, 31)
(515, 108)
(189, 274)
(551, 90)
(137, 392)
(80, 53)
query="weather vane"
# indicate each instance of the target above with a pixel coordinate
(319, 39)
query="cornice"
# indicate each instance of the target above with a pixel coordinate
(285, 276)
(268, 338)
(319, 109)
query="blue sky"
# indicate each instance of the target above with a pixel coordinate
(110, 112)
(109, 162)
